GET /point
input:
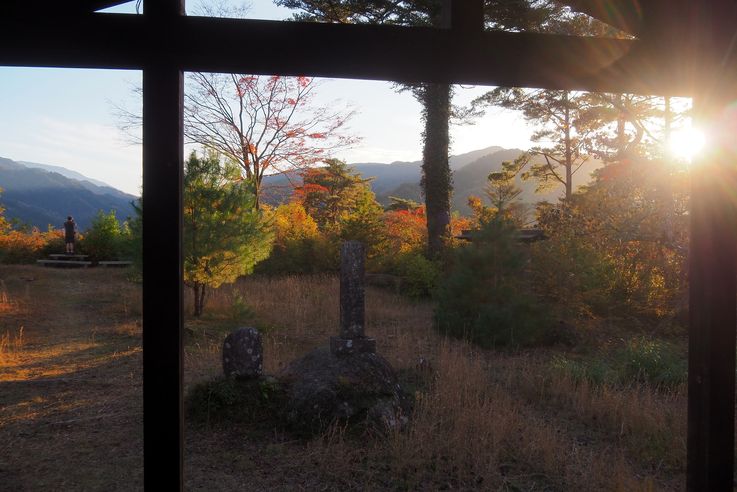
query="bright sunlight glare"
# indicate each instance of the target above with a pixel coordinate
(685, 144)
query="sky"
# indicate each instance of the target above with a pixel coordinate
(67, 117)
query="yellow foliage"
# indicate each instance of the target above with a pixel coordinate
(292, 222)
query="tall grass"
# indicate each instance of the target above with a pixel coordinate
(3, 294)
(470, 432)
(11, 344)
(482, 419)
(296, 314)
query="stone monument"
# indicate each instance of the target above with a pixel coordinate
(243, 354)
(352, 339)
(349, 381)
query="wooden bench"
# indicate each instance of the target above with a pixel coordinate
(114, 263)
(65, 256)
(65, 263)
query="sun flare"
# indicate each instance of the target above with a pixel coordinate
(685, 144)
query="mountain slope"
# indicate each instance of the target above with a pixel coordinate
(470, 172)
(40, 197)
(67, 173)
(386, 177)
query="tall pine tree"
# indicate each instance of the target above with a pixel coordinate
(224, 236)
(533, 15)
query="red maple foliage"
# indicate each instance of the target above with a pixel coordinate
(267, 124)
(406, 230)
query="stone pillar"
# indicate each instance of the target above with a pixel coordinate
(352, 312)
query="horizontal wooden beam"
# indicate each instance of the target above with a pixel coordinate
(351, 51)
(55, 8)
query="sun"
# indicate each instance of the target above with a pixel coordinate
(686, 143)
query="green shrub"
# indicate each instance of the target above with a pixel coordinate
(419, 275)
(104, 240)
(310, 255)
(574, 275)
(642, 360)
(132, 244)
(485, 298)
(239, 310)
(651, 361)
(231, 400)
(594, 371)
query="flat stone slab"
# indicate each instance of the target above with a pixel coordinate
(348, 346)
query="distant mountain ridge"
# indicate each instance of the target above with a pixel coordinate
(470, 171)
(64, 172)
(41, 195)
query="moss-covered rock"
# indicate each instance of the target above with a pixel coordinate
(322, 388)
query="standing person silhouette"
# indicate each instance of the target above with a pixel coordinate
(70, 231)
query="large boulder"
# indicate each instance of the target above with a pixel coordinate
(243, 354)
(322, 388)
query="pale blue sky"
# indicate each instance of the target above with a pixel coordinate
(65, 117)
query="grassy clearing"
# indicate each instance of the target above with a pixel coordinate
(70, 399)
(484, 420)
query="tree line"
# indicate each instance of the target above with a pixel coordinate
(619, 240)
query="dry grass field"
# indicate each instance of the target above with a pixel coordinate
(70, 400)
(70, 380)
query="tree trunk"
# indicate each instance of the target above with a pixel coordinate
(203, 289)
(436, 177)
(257, 193)
(196, 293)
(668, 201)
(198, 290)
(569, 154)
(621, 136)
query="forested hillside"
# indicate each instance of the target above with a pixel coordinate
(41, 197)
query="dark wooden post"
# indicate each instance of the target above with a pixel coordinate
(712, 251)
(713, 302)
(162, 267)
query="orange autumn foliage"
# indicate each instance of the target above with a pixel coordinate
(27, 247)
(460, 224)
(405, 230)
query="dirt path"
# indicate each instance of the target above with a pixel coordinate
(70, 371)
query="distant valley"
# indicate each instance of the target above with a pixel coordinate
(40, 195)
